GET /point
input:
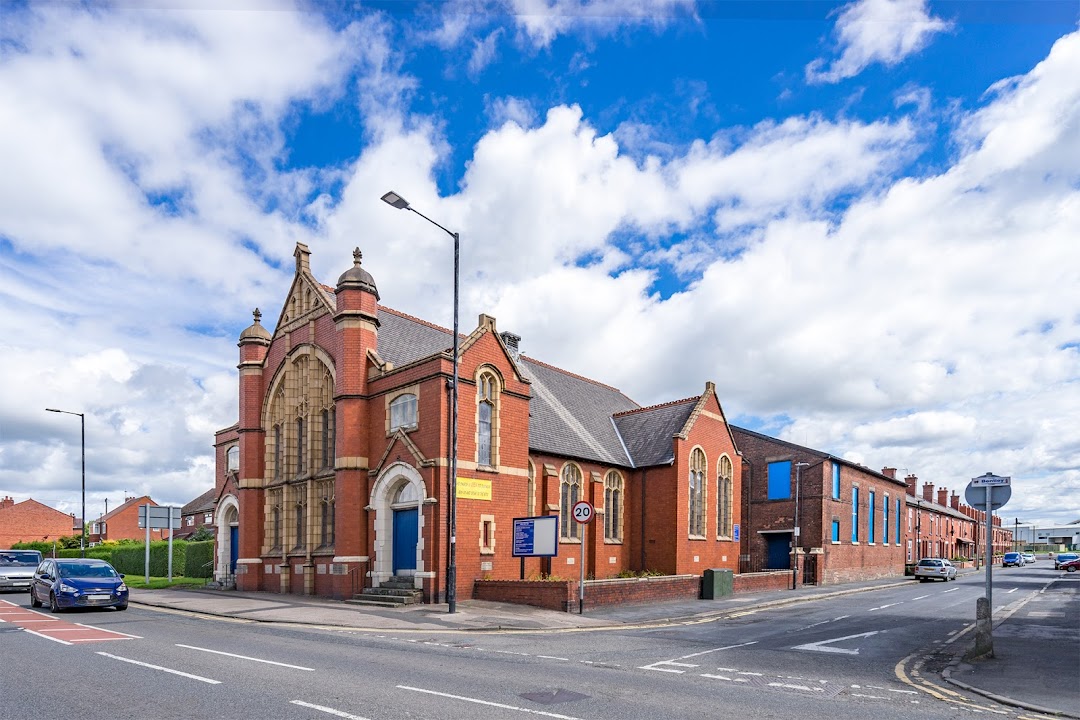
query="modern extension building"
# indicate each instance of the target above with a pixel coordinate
(336, 475)
(827, 519)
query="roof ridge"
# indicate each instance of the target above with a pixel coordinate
(415, 319)
(659, 405)
(575, 375)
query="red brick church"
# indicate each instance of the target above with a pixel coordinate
(336, 476)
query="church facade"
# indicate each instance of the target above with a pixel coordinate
(336, 475)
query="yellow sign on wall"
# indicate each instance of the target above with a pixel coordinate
(473, 489)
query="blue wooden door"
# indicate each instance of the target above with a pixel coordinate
(234, 548)
(405, 526)
(779, 551)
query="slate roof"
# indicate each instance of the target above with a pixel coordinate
(204, 503)
(571, 415)
(648, 432)
(404, 339)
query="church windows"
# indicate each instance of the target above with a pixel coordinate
(403, 412)
(487, 398)
(327, 443)
(530, 491)
(724, 497)
(278, 459)
(569, 494)
(300, 467)
(697, 493)
(232, 459)
(613, 507)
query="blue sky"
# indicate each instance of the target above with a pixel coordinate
(858, 219)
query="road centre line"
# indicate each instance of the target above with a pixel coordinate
(882, 607)
(1009, 592)
(245, 657)
(487, 702)
(921, 597)
(553, 657)
(953, 590)
(327, 710)
(726, 647)
(163, 669)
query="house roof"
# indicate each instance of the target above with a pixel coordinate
(203, 503)
(648, 432)
(142, 500)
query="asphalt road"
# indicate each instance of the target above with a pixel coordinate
(848, 657)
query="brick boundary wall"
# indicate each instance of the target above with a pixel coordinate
(762, 581)
(562, 595)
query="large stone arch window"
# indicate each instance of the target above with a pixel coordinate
(569, 494)
(697, 493)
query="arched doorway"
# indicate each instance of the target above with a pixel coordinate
(398, 499)
(228, 541)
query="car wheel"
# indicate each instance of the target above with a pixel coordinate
(1071, 568)
(34, 602)
(122, 607)
(53, 605)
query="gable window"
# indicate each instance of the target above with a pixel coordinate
(487, 390)
(530, 491)
(569, 493)
(613, 501)
(697, 493)
(403, 412)
(780, 480)
(723, 497)
(232, 459)
(836, 481)
(300, 467)
(327, 438)
(854, 514)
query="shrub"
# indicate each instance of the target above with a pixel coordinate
(199, 560)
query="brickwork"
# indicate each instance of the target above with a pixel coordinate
(29, 520)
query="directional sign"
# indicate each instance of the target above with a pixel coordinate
(583, 511)
(159, 517)
(975, 495)
(990, 480)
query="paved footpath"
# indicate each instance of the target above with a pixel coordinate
(1036, 663)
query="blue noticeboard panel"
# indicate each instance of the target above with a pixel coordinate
(735, 533)
(536, 536)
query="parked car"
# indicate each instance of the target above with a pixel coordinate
(1071, 565)
(1012, 559)
(1029, 558)
(78, 583)
(1065, 557)
(17, 569)
(935, 569)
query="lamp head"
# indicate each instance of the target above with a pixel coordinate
(392, 198)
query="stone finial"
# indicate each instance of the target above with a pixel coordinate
(357, 256)
(257, 314)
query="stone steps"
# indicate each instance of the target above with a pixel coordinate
(394, 592)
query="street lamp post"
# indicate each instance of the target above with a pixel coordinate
(82, 422)
(395, 200)
(795, 528)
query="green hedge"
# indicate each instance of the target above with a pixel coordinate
(200, 559)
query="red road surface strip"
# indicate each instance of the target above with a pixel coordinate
(51, 627)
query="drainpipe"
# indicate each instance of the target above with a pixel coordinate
(644, 477)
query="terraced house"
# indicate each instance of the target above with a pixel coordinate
(335, 477)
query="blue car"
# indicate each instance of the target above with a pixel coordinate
(66, 583)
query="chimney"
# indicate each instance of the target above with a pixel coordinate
(511, 341)
(889, 473)
(912, 484)
(6, 502)
(943, 497)
(955, 502)
(928, 492)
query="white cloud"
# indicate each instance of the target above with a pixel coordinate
(544, 20)
(876, 31)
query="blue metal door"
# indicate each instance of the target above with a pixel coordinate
(779, 551)
(234, 548)
(405, 527)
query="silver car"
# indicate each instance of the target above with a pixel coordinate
(1029, 558)
(935, 569)
(17, 569)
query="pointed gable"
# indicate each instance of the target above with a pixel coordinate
(649, 433)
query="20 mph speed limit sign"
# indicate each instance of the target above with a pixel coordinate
(583, 511)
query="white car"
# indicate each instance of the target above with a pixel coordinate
(935, 569)
(1028, 558)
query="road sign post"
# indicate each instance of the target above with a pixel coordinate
(992, 492)
(583, 515)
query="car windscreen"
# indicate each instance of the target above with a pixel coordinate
(14, 558)
(85, 570)
(930, 563)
